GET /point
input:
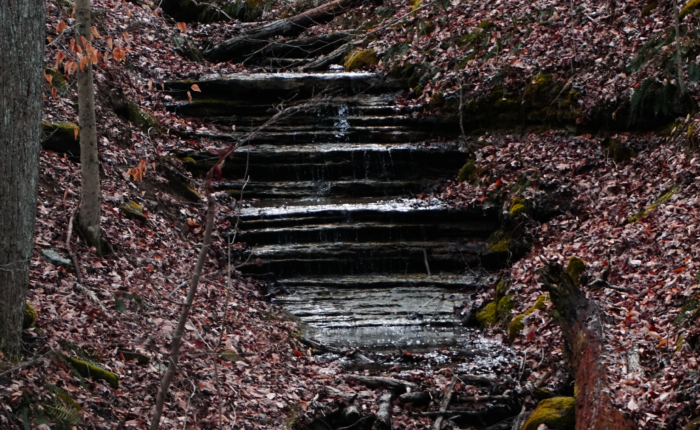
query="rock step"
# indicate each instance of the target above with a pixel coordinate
(228, 111)
(352, 134)
(379, 312)
(310, 189)
(276, 87)
(363, 232)
(448, 281)
(352, 258)
(280, 213)
(333, 162)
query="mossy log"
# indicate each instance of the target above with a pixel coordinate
(558, 413)
(186, 48)
(134, 210)
(582, 327)
(61, 138)
(30, 316)
(87, 370)
(290, 27)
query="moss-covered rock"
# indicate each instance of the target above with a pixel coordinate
(60, 137)
(646, 10)
(618, 151)
(30, 316)
(57, 80)
(231, 356)
(488, 316)
(575, 269)
(652, 207)
(499, 241)
(689, 8)
(360, 59)
(557, 413)
(181, 185)
(467, 172)
(133, 210)
(694, 424)
(517, 325)
(186, 48)
(500, 308)
(517, 207)
(87, 370)
(140, 117)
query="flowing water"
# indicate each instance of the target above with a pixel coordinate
(336, 226)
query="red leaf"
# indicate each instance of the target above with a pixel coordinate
(297, 352)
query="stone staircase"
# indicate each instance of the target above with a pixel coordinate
(334, 222)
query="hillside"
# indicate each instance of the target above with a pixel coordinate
(572, 125)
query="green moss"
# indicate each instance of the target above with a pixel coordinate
(689, 8)
(140, 117)
(133, 210)
(60, 137)
(87, 370)
(646, 11)
(557, 413)
(231, 356)
(575, 268)
(499, 241)
(516, 325)
(180, 184)
(658, 202)
(484, 24)
(488, 316)
(360, 59)
(502, 288)
(466, 173)
(57, 80)
(693, 424)
(517, 206)
(30, 316)
(505, 306)
(437, 100)
(618, 151)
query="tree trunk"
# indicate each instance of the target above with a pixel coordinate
(582, 327)
(21, 65)
(246, 45)
(89, 164)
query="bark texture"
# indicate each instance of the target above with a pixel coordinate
(583, 329)
(89, 164)
(245, 45)
(21, 65)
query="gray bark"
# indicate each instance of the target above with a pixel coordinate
(89, 164)
(21, 59)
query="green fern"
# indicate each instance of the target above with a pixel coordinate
(65, 416)
(641, 93)
(688, 309)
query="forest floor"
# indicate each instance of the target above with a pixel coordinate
(630, 204)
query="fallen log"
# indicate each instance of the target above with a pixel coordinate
(343, 395)
(383, 421)
(445, 403)
(396, 385)
(417, 398)
(582, 326)
(323, 63)
(305, 47)
(242, 46)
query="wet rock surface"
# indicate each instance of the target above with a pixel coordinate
(334, 223)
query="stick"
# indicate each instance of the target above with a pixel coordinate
(425, 260)
(177, 337)
(445, 403)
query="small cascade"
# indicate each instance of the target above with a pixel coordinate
(337, 227)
